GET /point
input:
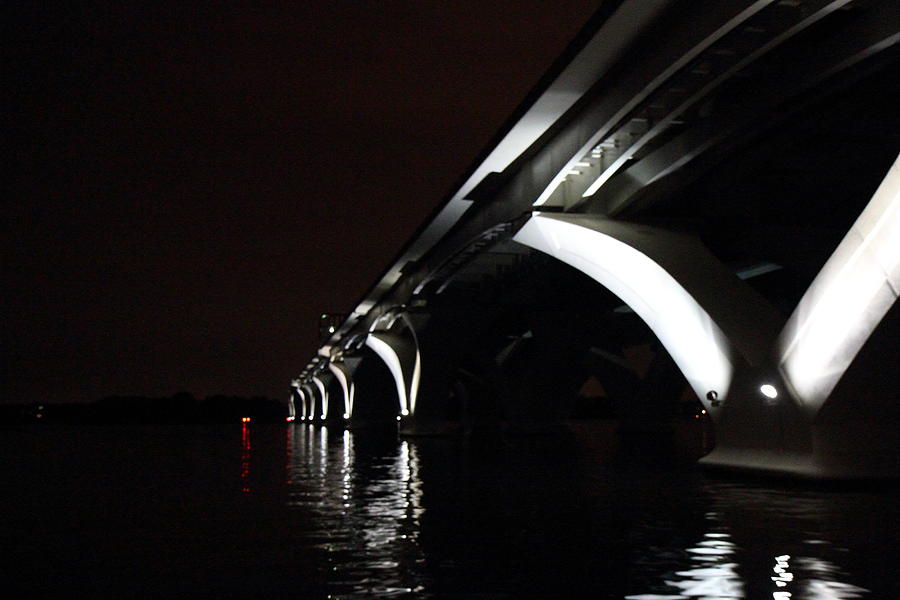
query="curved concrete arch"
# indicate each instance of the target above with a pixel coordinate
(403, 360)
(846, 301)
(707, 319)
(305, 400)
(348, 388)
(292, 409)
(416, 377)
(323, 394)
(310, 401)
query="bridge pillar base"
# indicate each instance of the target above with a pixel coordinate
(367, 424)
(776, 436)
(430, 428)
(846, 451)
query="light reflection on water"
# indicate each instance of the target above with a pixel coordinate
(716, 571)
(747, 541)
(367, 522)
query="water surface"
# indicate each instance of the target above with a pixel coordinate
(305, 512)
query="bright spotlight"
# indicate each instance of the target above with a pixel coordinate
(768, 391)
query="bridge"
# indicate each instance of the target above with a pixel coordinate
(699, 205)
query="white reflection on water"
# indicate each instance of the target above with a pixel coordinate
(714, 574)
(821, 582)
(364, 512)
(782, 576)
(722, 565)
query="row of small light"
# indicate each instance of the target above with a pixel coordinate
(313, 418)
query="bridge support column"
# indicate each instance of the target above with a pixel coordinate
(293, 401)
(443, 400)
(423, 358)
(718, 331)
(330, 409)
(765, 392)
(343, 371)
(836, 411)
(708, 320)
(401, 356)
(308, 394)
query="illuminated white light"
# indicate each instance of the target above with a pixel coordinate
(346, 415)
(398, 418)
(847, 300)
(324, 394)
(390, 358)
(346, 387)
(414, 386)
(417, 368)
(302, 403)
(582, 163)
(352, 396)
(768, 391)
(782, 576)
(309, 402)
(694, 341)
(404, 413)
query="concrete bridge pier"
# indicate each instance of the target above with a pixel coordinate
(441, 400)
(343, 371)
(777, 394)
(328, 404)
(853, 434)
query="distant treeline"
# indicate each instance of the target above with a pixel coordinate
(182, 407)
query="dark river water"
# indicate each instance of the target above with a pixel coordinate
(265, 511)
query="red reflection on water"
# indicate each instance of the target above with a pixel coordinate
(245, 455)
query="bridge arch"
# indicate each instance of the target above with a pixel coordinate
(308, 396)
(849, 297)
(397, 346)
(706, 318)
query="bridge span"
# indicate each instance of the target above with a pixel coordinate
(698, 206)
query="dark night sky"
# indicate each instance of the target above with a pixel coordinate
(192, 184)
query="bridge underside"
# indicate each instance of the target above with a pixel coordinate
(710, 248)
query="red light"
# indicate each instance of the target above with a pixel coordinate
(245, 419)
(289, 419)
